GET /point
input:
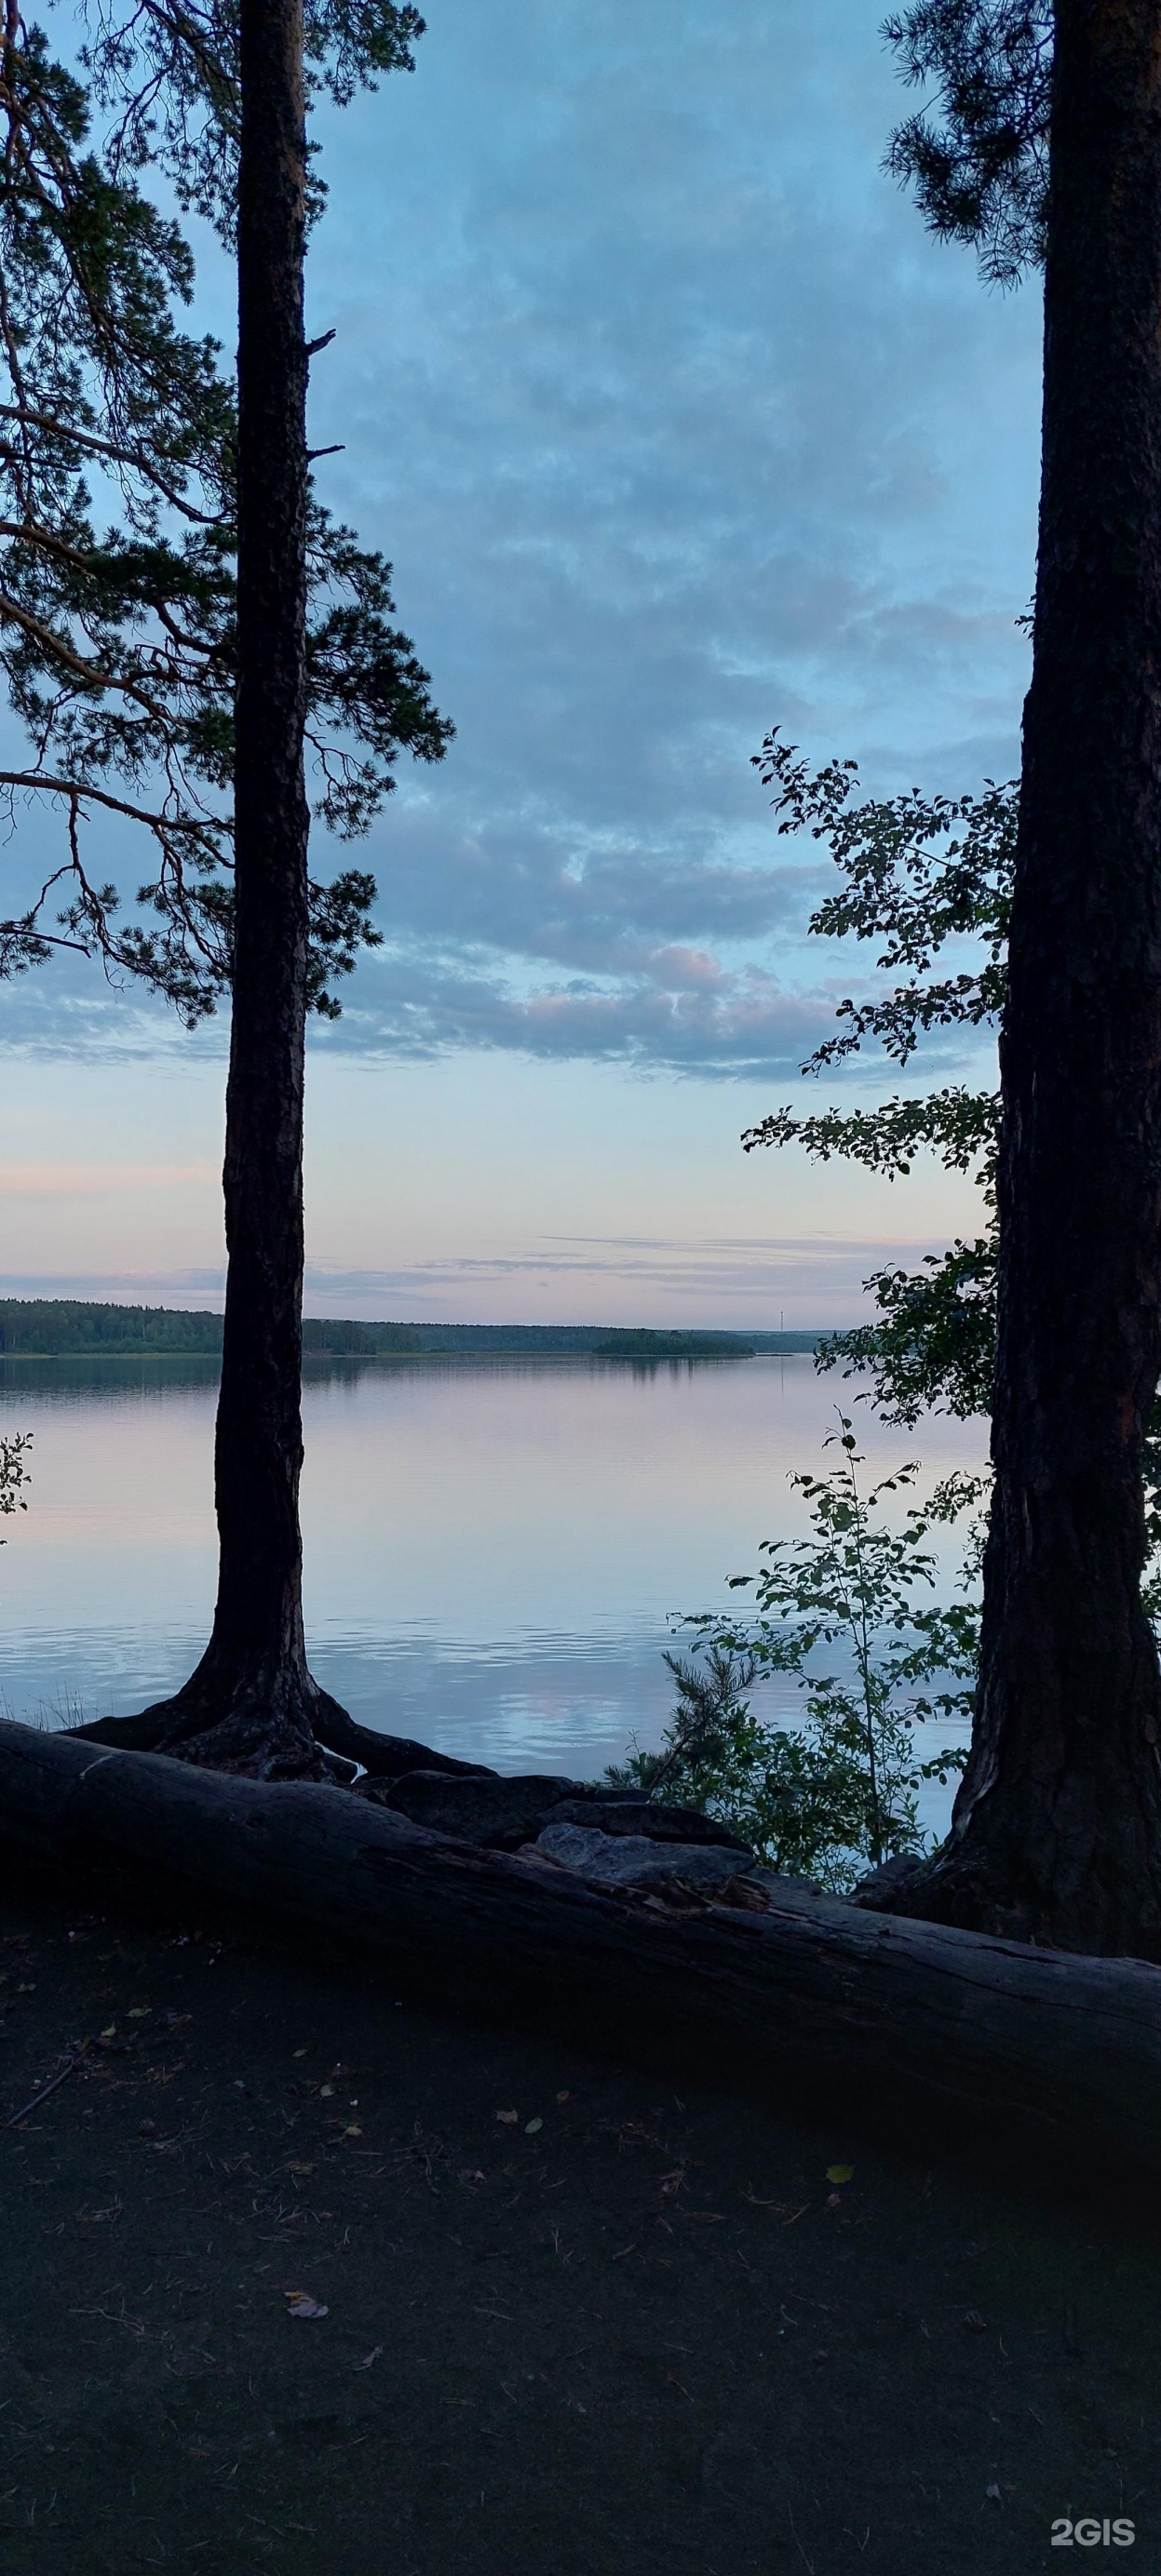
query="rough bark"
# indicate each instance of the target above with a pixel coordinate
(928, 2025)
(1056, 1832)
(252, 1702)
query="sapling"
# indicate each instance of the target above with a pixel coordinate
(843, 1610)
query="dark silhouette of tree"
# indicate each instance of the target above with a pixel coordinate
(1056, 1832)
(1057, 1825)
(226, 626)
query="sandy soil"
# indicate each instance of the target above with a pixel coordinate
(573, 2322)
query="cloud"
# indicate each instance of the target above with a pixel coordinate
(202, 1288)
(675, 424)
(683, 1011)
(67, 1011)
(735, 1281)
(718, 1262)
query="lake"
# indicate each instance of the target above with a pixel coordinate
(494, 1548)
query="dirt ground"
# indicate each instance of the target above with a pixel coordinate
(559, 2317)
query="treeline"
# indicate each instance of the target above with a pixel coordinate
(52, 1327)
(49, 1327)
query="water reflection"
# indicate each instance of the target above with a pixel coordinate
(492, 1546)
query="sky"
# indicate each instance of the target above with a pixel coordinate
(675, 425)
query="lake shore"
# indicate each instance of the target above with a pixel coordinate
(624, 2329)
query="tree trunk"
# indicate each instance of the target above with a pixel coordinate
(252, 1704)
(936, 2029)
(1056, 1833)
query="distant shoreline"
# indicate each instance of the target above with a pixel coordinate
(72, 1328)
(720, 1351)
(81, 1330)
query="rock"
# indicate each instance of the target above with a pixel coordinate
(880, 1887)
(660, 1824)
(633, 1860)
(499, 1814)
(504, 1814)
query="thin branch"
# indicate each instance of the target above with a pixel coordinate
(78, 791)
(94, 674)
(95, 446)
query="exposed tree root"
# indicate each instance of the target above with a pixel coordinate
(281, 1727)
(259, 1725)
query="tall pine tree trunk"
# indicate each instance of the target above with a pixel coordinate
(254, 1678)
(1056, 1832)
(252, 1704)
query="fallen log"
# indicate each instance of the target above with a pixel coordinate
(922, 2017)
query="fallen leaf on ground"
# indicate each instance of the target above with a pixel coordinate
(839, 2173)
(531, 2127)
(299, 2303)
(564, 2097)
(300, 2052)
(369, 2357)
(326, 2091)
(352, 2130)
(140, 2012)
(110, 2030)
(509, 2118)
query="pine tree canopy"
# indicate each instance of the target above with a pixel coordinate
(117, 546)
(167, 73)
(978, 157)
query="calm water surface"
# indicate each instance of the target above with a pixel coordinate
(493, 1548)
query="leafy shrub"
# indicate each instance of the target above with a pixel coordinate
(840, 1792)
(798, 1801)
